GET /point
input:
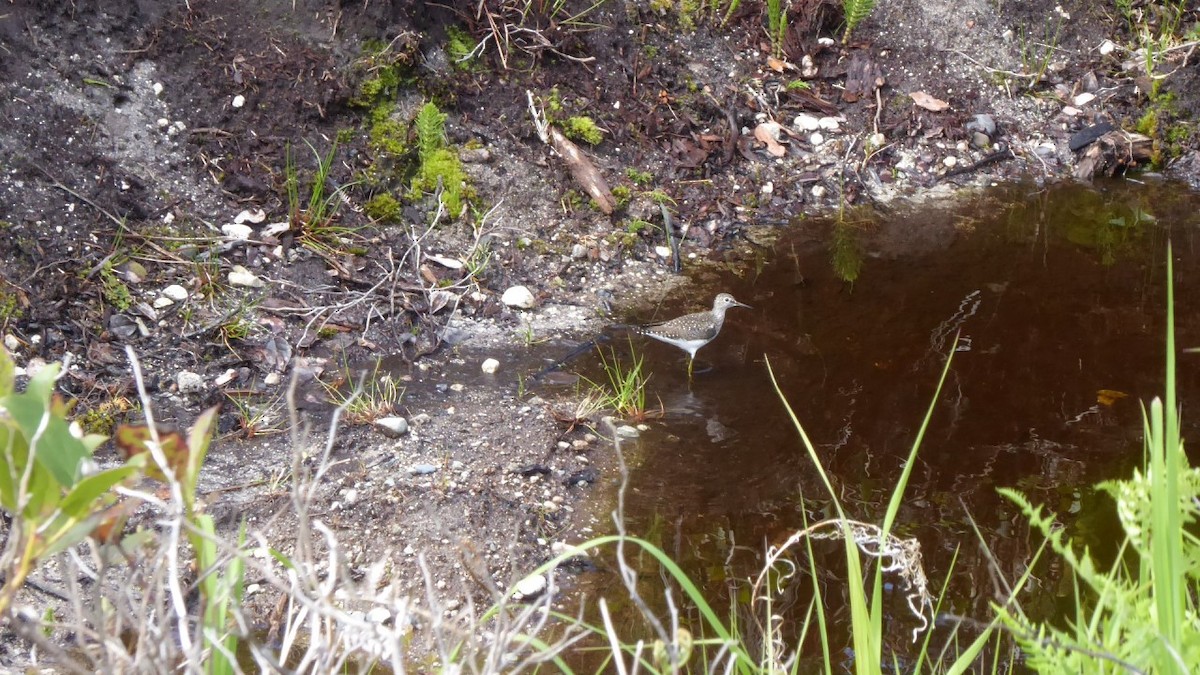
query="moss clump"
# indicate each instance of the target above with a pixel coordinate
(440, 165)
(387, 134)
(639, 177)
(115, 292)
(103, 418)
(583, 128)
(459, 46)
(383, 207)
(622, 194)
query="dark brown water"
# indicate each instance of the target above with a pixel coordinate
(1058, 296)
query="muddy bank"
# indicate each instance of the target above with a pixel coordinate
(147, 201)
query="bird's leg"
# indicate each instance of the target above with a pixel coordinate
(691, 361)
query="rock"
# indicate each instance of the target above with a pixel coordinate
(393, 427)
(876, 140)
(806, 122)
(519, 297)
(1107, 47)
(1071, 111)
(237, 231)
(816, 139)
(122, 326)
(578, 251)
(530, 587)
(238, 101)
(819, 191)
(189, 383)
(240, 276)
(11, 343)
(829, 123)
(422, 469)
(247, 216)
(489, 366)
(662, 252)
(378, 615)
(950, 162)
(175, 292)
(982, 123)
(161, 302)
(626, 431)
(475, 156)
(1083, 99)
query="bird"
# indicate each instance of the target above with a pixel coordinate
(690, 332)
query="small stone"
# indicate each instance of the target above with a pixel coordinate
(876, 140)
(157, 88)
(816, 139)
(1071, 111)
(1083, 99)
(162, 122)
(238, 101)
(950, 161)
(1107, 47)
(626, 431)
(247, 216)
(240, 276)
(519, 297)
(225, 377)
(161, 302)
(767, 188)
(393, 427)
(489, 366)
(982, 123)
(378, 615)
(189, 383)
(578, 251)
(819, 191)
(530, 587)
(237, 231)
(662, 252)
(422, 469)
(175, 292)
(11, 343)
(829, 123)
(806, 122)
(272, 378)
(475, 156)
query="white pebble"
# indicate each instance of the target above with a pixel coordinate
(240, 276)
(175, 292)
(237, 231)
(519, 297)
(829, 123)
(239, 101)
(816, 139)
(158, 89)
(489, 366)
(806, 122)
(530, 586)
(1084, 99)
(950, 161)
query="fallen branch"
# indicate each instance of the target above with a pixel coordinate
(582, 168)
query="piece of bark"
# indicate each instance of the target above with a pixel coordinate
(585, 173)
(863, 77)
(1113, 153)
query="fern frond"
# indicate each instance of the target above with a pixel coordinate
(855, 11)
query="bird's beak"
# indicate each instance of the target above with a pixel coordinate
(742, 304)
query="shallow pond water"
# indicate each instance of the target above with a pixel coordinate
(1057, 296)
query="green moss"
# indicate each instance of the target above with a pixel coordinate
(639, 177)
(622, 195)
(459, 46)
(383, 207)
(440, 165)
(115, 292)
(344, 136)
(9, 308)
(636, 226)
(387, 134)
(583, 128)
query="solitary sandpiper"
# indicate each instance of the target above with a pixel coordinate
(690, 332)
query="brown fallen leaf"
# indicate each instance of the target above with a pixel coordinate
(767, 132)
(775, 64)
(928, 102)
(1108, 397)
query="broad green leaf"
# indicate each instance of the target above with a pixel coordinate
(7, 372)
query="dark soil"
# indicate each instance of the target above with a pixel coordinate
(108, 184)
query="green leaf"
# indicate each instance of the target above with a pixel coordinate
(56, 448)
